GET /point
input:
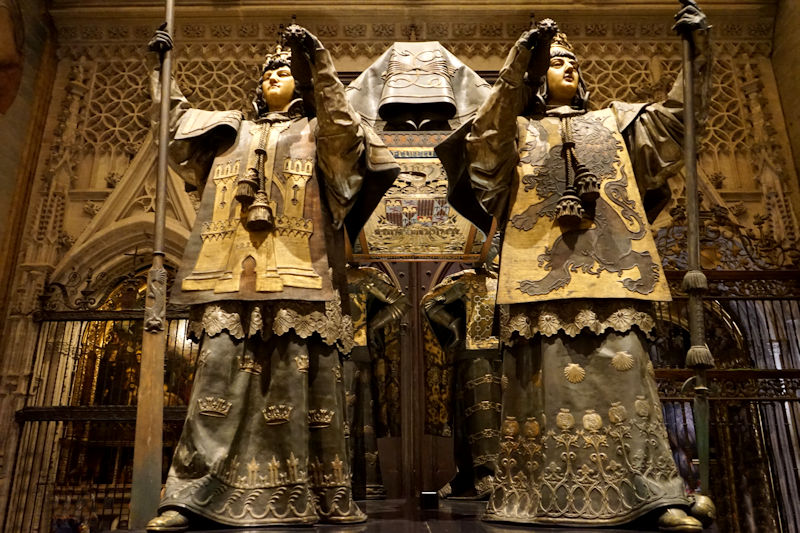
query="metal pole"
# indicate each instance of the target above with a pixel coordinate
(698, 357)
(148, 448)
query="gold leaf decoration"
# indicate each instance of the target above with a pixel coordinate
(622, 361)
(574, 373)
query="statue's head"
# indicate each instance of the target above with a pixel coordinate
(276, 86)
(563, 84)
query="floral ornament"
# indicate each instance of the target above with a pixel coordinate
(549, 324)
(642, 406)
(564, 419)
(592, 420)
(617, 413)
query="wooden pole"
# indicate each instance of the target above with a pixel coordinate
(698, 357)
(148, 448)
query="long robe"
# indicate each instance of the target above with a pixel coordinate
(263, 442)
(582, 438)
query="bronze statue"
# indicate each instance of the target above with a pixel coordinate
(582, 438)
(462, 356)
(264, 271)
(376, 306)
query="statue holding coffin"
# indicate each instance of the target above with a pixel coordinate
(264, 272)
(582, 438)
(462, 359)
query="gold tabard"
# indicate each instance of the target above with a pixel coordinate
(611, 255)
(224, 260)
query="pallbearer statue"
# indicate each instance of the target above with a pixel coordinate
(462, 363)
(582, 438)
(264, 270)
(376, 306)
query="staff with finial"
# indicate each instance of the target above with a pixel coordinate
(699, 357)
(147, 452)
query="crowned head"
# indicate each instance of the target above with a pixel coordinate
(563, 83)
(276, 86)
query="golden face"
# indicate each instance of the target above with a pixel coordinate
(278, 88)
(562, 80)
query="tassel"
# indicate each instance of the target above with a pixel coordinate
(568, 210)
(246, 189)
(694, 280)
(259, 215)
(587, 184)
(699, 357)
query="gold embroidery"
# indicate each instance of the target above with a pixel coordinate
(487, 433)
(510, 428)
(574, 373)
(216, 407)
(320, 418)
(302, 363)
(485, 405)
(641, 406)
(304, 318)
(616, 467)
(337, 373)
(571, 318)
(622, 361)
(564, 419)
(488, 458)
(617, 413)
(249, 365)
(277, 414)
(592, 421)
(482, 380)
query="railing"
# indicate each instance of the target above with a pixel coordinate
(76, 432)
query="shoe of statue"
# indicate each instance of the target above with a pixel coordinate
(169, 521)
(703, 509)
(674, 519)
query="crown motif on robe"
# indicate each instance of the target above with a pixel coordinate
(248, 364)
(277, 414)
(211, 406)
(560, 41)
(320, 418)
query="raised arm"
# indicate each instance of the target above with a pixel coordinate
(491, 145)
(347, 150)
(654, 132)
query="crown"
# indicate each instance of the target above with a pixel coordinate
(560, 41)
(248, 364)
(320, 418)
(277, 414)
(211, 406)
(278, 57)
(302, 363)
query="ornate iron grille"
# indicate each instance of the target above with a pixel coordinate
(76, 443)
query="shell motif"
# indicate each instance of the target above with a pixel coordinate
(592, 421)
(617, 413)
(650, 370)
(622, 361)
(574, 373)
(564, 419)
